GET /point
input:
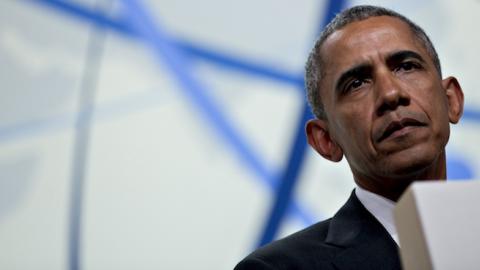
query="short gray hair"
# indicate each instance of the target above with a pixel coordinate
(313, 68)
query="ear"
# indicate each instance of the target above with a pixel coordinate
(454, 94)
(319, 138)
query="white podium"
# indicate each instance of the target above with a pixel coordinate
(438, 225)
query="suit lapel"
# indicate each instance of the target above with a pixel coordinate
(364, 242)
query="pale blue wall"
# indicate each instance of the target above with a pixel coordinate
(174, 165)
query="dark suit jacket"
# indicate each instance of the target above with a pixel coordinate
(352, 239)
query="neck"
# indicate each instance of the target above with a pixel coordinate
(393, 187)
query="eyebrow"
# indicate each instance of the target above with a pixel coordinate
(364, 68)
(399, 56)
(354, 71)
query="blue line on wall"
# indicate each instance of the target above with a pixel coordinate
(123, 26)
(186, 48)
(285, 191)
(195, 91)
(81, 143)
(178, 65)
(214, 115)
(470, 114)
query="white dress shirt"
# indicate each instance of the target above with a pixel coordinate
(381, 208)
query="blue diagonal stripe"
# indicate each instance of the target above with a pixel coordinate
(123, 26)
(195, 91)
(285, 191)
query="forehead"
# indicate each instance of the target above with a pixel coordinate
(365, 41)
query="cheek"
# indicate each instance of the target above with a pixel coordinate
(350, 124)
(432, 101)
(353, 131)
(423, 91)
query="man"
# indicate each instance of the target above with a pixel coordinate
(375, 86)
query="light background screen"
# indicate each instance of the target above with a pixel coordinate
(159, 134)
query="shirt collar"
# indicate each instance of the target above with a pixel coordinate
(381, 208)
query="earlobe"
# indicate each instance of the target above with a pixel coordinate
(320, 140)
(455, 98)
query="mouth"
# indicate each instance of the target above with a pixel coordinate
(399, 128)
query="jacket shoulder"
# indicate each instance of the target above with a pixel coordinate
(305, 249)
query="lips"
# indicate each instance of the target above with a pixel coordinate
(394, 126)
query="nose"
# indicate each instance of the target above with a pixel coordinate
(389, 93)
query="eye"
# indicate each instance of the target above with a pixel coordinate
(408, 66)
(354, 84)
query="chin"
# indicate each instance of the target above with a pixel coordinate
(424, 166)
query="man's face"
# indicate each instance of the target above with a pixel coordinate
(386, 105)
